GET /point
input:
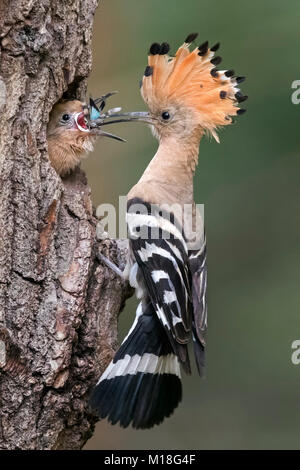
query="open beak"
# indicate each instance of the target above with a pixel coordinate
(81, 121)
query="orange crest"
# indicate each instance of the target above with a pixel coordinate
(191, 79)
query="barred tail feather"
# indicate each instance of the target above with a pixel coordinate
(142, 385)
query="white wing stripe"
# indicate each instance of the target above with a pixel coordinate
(159, 274)
(169, 297)
(139, 220)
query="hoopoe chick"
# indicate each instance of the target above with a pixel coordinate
(69, 134)
(187, 97)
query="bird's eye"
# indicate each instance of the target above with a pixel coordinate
(165, 115)
(65, 117)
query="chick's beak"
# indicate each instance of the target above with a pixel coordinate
(96, 131)
(81, 122)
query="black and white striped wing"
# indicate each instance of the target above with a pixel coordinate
(162, 257)
(197, 262)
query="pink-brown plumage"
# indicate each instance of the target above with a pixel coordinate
(67, 143)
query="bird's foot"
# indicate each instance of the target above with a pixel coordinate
(111, 265)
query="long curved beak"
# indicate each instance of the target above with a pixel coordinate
(113, 118)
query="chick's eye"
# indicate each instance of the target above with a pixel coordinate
(165, 115)
(65, 117)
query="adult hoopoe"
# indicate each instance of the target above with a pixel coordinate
(187, 97)
(70, 132)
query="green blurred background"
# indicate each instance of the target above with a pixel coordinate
(250, 187)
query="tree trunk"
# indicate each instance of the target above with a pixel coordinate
(58, 304)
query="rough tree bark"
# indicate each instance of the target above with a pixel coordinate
(58, 305)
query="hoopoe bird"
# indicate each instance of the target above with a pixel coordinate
(70, 132)
(187, 97)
